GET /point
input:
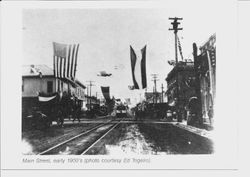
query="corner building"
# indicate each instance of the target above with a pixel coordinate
(180, 83)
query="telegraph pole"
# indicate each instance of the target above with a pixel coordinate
(175, 28)
(153, 94)
(90, 86)
(155, 80)
(96, 97)
(87, 94)
(162, 93)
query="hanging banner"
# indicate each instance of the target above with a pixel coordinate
(105, 92)
(138, 66)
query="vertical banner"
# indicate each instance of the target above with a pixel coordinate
(138, 67)
(105, 92)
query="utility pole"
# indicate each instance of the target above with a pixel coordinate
(90, 86)
(175, 28)
(155, 90)
(96, 97)
(162, 93)
(87, 95)
(153, 94)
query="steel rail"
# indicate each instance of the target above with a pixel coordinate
(72, 138)
(101, 137)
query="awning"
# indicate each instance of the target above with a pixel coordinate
(45, 99)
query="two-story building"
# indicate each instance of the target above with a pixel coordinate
(180, 83)
(40, 79)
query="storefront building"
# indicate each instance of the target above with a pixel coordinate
(180, 83)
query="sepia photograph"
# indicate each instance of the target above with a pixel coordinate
(117, 81)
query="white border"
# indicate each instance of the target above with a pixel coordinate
(226, 135)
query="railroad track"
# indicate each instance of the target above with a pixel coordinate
(63, 145)
(96, 141)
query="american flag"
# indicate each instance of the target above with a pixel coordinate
(65, 60)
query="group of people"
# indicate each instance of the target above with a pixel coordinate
(71, 106)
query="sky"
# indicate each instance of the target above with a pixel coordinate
(105, 35)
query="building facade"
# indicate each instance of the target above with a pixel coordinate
(80, 94)
(40, 79)
(37, 79)
(206, 62)
(153, 97)
(92, 102)
(181, 88)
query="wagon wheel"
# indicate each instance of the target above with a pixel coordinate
(59, 118)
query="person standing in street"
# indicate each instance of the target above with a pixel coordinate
(211, 114)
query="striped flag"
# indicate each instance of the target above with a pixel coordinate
(138, 65)
(65, 60)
